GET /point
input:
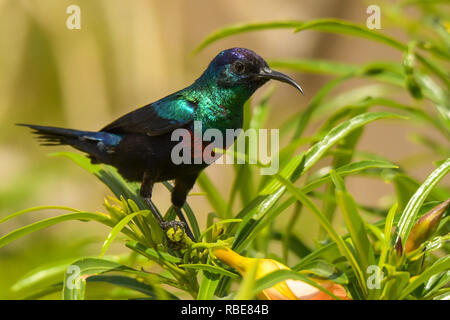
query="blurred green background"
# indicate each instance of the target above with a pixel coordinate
(130, 53)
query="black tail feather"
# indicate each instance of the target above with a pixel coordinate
(98, 145)
(53, 135)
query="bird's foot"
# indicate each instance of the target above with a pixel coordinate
(174, 229)
(176, 235)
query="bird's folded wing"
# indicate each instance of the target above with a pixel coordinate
(155, 119)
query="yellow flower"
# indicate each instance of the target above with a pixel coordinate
(284, 290)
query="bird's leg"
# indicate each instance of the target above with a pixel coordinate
(179, 195)
(146, 194)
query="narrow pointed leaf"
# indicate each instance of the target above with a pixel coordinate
(409, 215)
(118, 228)
(83, 216)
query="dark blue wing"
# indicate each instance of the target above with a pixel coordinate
(157, 118)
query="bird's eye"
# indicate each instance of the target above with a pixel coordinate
(238, 67)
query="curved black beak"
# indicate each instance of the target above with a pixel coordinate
(275, 75)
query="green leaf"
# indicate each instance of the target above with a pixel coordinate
(316, 102)
(348, 169)
(77, 273)
(210, 268)
(386, 245)
(41, 277)
(221, 222)
(83, 216)
(346, 149)
(118, 228)
(134, 284)
(295, 244)
(243, 185)
(405, 187)
(114, 181)
(151, 253)
(18, 213)
(440, 265)
(340, 131)
(208, 285)
(348, 28)
(246, 27)
(353, 222)
(328, 25)
(394, 284)
(444, 295)
(109, 176)
(44, 291)
(343, 248)
(414, 112)
(318, 253)
(213, 195)
(259, 207)
(323, 269)
(253, 214)
(254, 226)
(408, 63)
(76, 291)
(408, 217)
(435, 283)
(287, 172)
(331, 247)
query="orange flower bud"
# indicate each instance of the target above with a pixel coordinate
(425, 226)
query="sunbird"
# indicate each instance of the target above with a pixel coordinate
(139, 144)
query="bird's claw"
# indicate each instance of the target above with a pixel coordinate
(175, 232)
(175, 225)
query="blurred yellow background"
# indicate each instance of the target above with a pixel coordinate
(128, 54)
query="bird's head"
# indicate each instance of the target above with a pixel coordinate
(239, 67)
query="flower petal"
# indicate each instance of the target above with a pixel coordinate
(302, 290)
